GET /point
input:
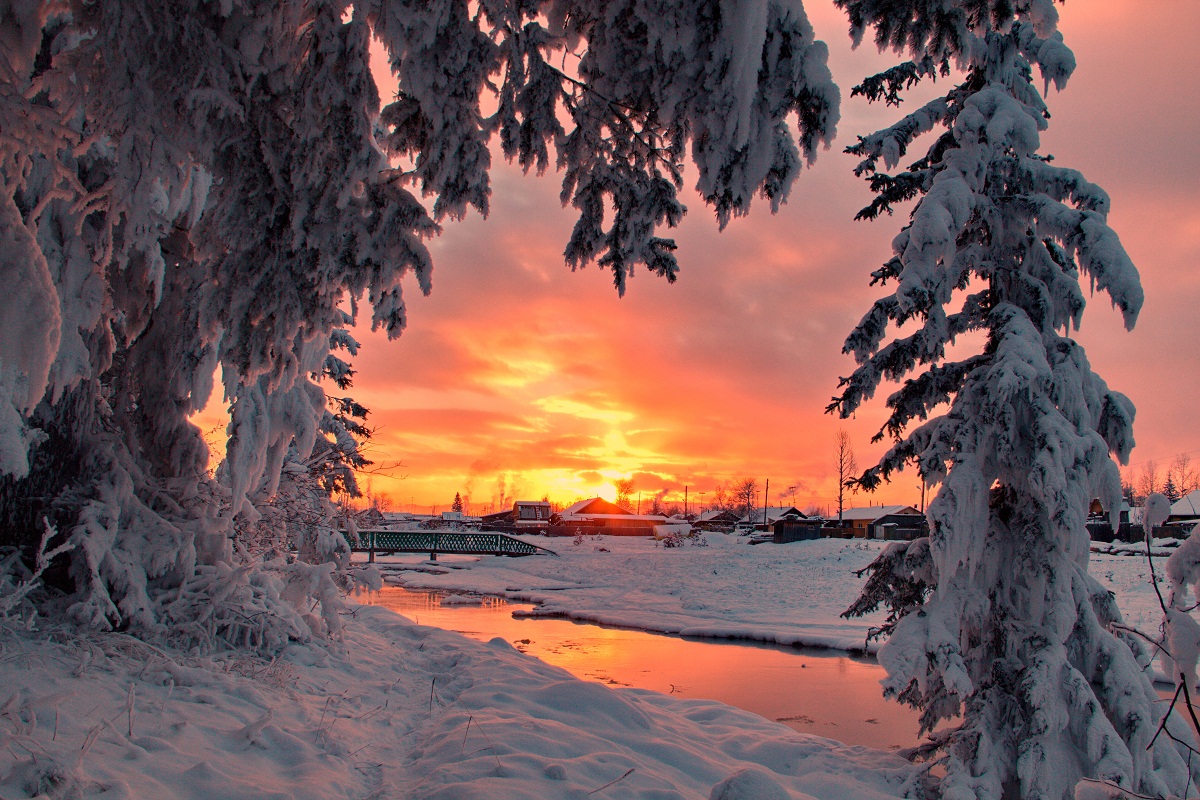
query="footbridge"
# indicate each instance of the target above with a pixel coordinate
(434, 542)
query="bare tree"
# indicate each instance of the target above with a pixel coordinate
(721, 500)
(846, 465)
(1149, 481)
(1183, 474)
(657, 504)
(744, 492)
(624, 487)
(1128, 489)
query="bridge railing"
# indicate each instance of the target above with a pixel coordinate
(449, 542)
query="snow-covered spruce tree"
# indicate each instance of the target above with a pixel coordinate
(995, 617)
(187, 185)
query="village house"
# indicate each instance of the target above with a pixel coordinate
(1185, 512)
(531, 513)
(1129, 522)
(716, 520)
(763, 519)
(598, 515)
(883, 522)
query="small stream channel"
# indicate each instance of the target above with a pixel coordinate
(813, 691)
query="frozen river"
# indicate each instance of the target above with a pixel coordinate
(813, 691)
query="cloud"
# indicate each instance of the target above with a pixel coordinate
(516, 366)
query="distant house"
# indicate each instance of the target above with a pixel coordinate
(797, 529)
(369, 518)
(598, 513)
(499, 521)
(596, 505)
(400, 519)
(1184, 514)
(531, 513)
(884, 522)
(716, 520)
(762, 519)
(1099, 523)
(1097, 511)
(1185, 510)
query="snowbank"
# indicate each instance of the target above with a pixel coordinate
(397, 710)
(786, 594)
(401, 710)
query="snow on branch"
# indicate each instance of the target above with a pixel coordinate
(1004, 628)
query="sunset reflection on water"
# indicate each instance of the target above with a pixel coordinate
(811, 691)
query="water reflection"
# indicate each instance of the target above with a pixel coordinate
(812, 691)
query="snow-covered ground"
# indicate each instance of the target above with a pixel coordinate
(396, 710)
(787, 594)
(401, 710)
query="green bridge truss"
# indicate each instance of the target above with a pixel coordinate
(434, 542)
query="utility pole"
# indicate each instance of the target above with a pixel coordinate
(766, 500)
(685, 502)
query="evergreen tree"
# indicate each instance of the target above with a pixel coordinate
(457, 505)
(191, 185)
(994, 616)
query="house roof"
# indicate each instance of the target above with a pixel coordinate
(872, 513)
(592, 507)
(774, 513)
(1187, 506)
(543, 503)
(717, 514)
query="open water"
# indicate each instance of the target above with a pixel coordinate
(813, 691)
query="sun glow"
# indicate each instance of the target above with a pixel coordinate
(580, 410)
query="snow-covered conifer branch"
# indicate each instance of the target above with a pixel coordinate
(186, 188)
(1013, 635)
(648, 82)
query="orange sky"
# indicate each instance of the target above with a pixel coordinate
(517, 369)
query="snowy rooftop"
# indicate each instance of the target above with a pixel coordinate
(582, 504)
(774, 513)
(874, 512)
(1187, 506)
(712, 514)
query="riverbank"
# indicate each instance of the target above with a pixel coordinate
(394, 709)
(818, 691)
(789, 594)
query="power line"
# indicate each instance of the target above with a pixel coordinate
(1162, 461)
